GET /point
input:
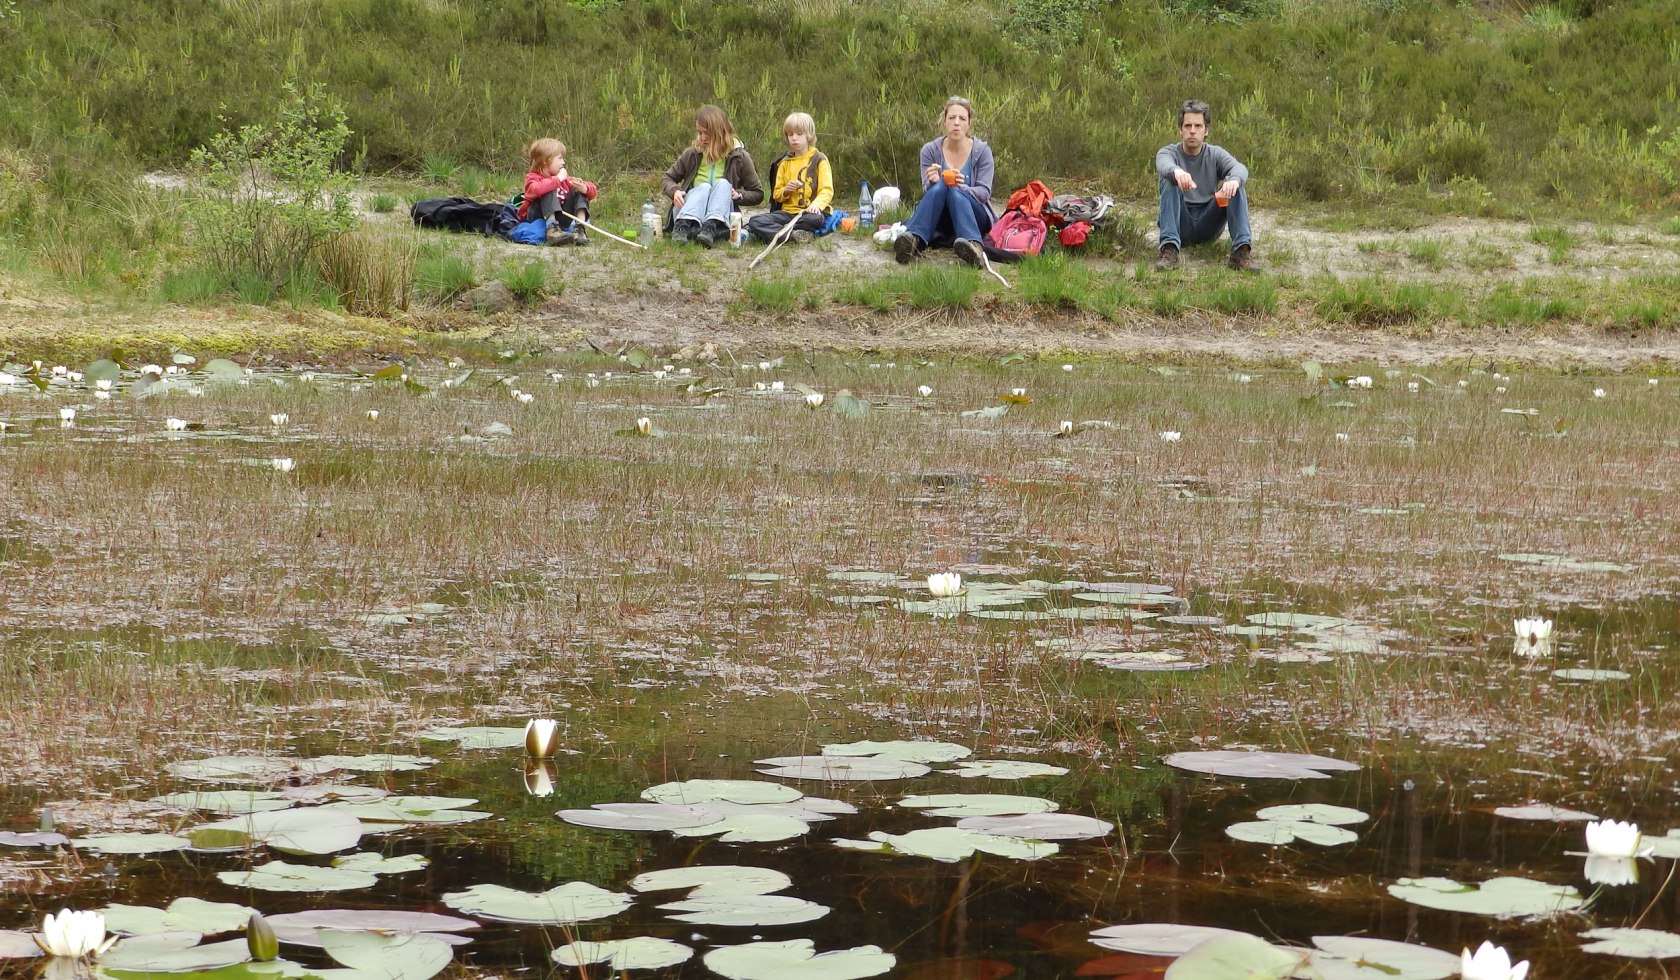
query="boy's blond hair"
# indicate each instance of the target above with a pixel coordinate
(800, 122)
(540, 152)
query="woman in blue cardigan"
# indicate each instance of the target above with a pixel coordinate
(956, 205)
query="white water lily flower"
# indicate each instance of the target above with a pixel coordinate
(1341, 437)
(1612, 871)
(1067, 427)
(1499, 390)
(104, 384)
(75, 376)
(1532, 634)
(924, 391)
(174, 424)
(1598, 392)
(6, 379)
(944, 585)
(60, 370)
(4, 426)
(1652, 382)
(278, 419)
(172, 369)
(644, 425)
(1171, 436)
(157, 371)
(307, 376)
(1067, 367)
(1463, 384)
(73, 934)
(1412, 386)
(1490, 962)
(669, 368)
(592, 382)
(814, 399)
(1363, 381)
(525, 397)
(1243, 379)
(373, 414)
(777, 386)
(454, 363)
(1018, 392)
(67, 415)
(660, 375)
(283, 464)
(103, 396)
(542, 737)
(606, 375)
(760, 386)
(1616, 839)
(764, 365)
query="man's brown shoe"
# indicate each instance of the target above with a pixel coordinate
(1168, 259)
(1242, 258)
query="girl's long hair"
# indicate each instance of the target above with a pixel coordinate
(720, 134)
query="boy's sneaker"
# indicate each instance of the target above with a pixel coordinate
(683, 231)
(969, 251)
(558, 237)
(906, 247)
(802, 236)
(1242, 258)
(1168, 259)
(579, 238)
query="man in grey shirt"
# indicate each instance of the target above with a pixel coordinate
(1203, 190)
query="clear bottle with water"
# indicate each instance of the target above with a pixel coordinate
(866, 208)
(650, 221)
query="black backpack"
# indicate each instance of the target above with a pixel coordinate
(464, 214)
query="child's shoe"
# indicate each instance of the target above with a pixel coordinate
(579, 238)
(802, 236)
(558, 237)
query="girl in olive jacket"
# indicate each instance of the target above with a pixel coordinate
(710, 179)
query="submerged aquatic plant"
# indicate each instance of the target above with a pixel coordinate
(1491, 962)
(74, 934)
(944, 585)
(1616, 839)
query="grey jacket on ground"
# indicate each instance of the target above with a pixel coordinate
(1209, 168)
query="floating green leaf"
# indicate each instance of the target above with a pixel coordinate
(314, 830)
(378, 762)
(1504, 897)
(989, 413)
(370, 954)
(838, 769)
(183, 915)
(225, 801)
(906, 751)
(741, 828)
(131, 843)
(953, 844)
(640, 953)
(246, 768)
(1157, 938)
(222, 369)
(797, 959)
(642, 816)
(379, 864)
(713, 881)
(849, 406)
(102, 370)
(17, 945)
(478, 738)
(1038, 826)
(721, 790)
(304, 928)
(1259, 765)
(279, 876)
(1006, 769)
(746, 910)
(1651, 944)
(1365, 958)
(1276, 832)
(976, 804)
(173, 952)
(411, 809)
(1585, 674)
(1542, 811)
(574, 901)
(1323, 813)
(1241, 955)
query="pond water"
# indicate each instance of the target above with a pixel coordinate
(731, 590)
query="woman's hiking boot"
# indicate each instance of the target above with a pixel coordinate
(683, 231)
(969, 251)
(710, 232)
(906, 247)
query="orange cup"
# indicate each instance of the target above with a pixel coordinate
(950, 177)
(1220, 199)
(848, 224)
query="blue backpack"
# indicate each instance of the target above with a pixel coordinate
(533, 232)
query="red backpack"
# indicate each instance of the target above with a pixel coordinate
(1019, 232)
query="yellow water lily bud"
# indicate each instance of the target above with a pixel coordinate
(542, 738)
(260, 938)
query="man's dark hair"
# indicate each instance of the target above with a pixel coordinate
(1195, 105)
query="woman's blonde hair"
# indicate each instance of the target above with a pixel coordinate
(800, 122)
(957, 100)
(540, 152)
(720, 135)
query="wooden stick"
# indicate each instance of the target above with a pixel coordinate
(601, 230)
(780, 237)
(988, 264)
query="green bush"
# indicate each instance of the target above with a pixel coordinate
(529, 282)
(439, 275)
(774, 295)
(1379, 302)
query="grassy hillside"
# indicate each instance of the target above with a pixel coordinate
(1500, 105)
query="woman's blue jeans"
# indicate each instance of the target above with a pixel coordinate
(945, 214)
(708, 202)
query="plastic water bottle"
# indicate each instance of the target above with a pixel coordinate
(650, 221)
(866, 207)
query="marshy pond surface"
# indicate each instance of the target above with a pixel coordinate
(362, 585)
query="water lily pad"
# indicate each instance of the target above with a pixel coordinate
(728, 790)
(956, 844)
(713, 880)
(1187, 620)
(808, 809)
(1132, 588)
(379, 864)
(746, 910)
(976, 804)
(1365, 958)
(279, 876)
(1157, 938)
(315, 830)
(32, 838)
(410, 809)
(327, 792)
(1017, 615)
(1259, 765)
(1129, 598)
(183, 915)
(1006, 769)
(1039, 826)
(797, 959)
(838, 769)
(371, 954)
(131, 843)
(741, 828)
(477, 738)
(246, 768)
(640, 953)
(737, 577)
(173, 952)
(1295, 621)
(1667, 846)
(1504, 897)
(1241, 955)
(1651, 944)
(863, 576)
(1542, 811)
(15, 945)
(641, 816)
(1568, 564)
(230, 801)
(378, 762)
(1276, 832)
(1106, 611)
(304, 928)
(574, 901)
(1584, 674)
(1324, 813)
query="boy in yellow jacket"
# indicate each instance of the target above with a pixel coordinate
(801, 185)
